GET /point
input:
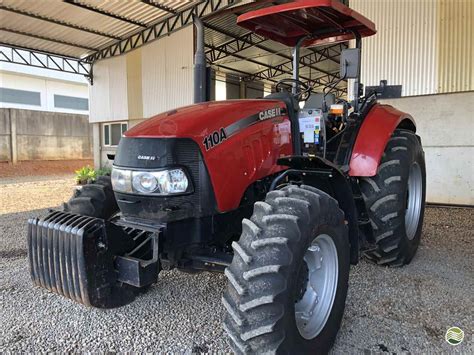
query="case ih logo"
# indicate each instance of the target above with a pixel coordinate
(146, 157)
(274, 112)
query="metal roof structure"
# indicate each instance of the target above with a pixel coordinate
(70, 35)
(233, 49)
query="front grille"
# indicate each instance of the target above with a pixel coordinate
(168, 152)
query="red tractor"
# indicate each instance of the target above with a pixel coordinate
(282, 199)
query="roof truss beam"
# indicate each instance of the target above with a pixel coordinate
(235, 45)
(237, 71)
(307, 60)
(323, 81)
(162, 28)
(105, 13)
(328, 82)
(273, 71)
(272, 74)
(58, 22)
(253, 40)
(34, 58)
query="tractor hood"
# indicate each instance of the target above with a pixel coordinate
(237, 142)
(204, 119)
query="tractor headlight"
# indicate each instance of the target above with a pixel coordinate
(164, 182)
(121, 180)
(174, 181)
(144, 182)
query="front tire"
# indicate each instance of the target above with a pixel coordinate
(395, 200)
(98, 200)
(277, 272)
(94, 200)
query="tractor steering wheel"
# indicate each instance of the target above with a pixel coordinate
(303, 89)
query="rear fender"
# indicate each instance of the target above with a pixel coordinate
(373, 136)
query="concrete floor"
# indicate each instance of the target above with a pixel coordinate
(388, 310)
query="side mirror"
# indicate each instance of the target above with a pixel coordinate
(350, 63)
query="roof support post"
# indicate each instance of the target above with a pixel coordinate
(358, 44)
(296, 64)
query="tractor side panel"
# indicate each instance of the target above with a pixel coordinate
(373, 136)
(245, 157)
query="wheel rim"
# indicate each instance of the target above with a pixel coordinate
(312, 310)
(414, 200)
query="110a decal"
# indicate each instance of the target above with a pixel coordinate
(214, 139)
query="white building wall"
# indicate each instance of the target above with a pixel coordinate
(140, 84)
(166, 80)
(445, 123)
(108, 94)
(46, 86)
(167, 72)
(42, 72)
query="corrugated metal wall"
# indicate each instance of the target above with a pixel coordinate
(152, 79)
(167, 72)
(424, 45)
(455, 45)
(108, 95)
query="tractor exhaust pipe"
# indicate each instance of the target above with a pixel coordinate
(199, 63)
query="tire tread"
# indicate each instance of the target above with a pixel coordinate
(253, 301)
(386, 205)
(95, 200)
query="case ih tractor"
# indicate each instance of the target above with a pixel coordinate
(282, 199)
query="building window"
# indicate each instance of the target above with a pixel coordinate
(71, 102)
(113, 132)
(23, 97)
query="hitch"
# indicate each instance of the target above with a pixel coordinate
(135, 270)
(76, 257)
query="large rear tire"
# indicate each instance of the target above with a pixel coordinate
(395, 200)
(94, 200)
(289, 276)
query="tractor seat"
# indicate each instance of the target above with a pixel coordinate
(288, 99)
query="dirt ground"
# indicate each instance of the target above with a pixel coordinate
(388, 310)
(42, 192)
(42, 167)
(30, 185)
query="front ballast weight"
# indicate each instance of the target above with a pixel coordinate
(84, 259)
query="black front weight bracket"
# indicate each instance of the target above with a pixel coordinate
(83, 258)
(136, 271)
